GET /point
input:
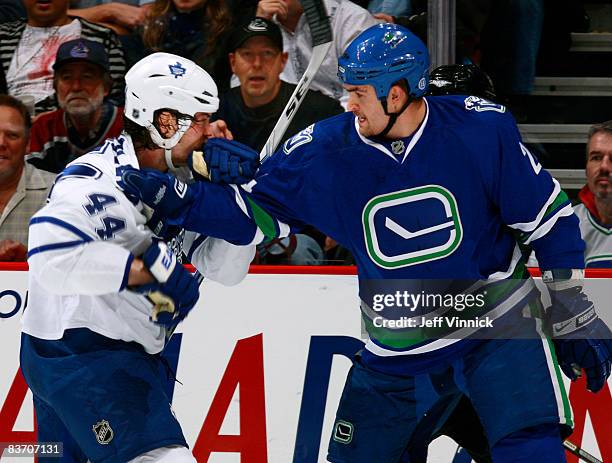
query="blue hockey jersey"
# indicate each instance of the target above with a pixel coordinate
(455, 200)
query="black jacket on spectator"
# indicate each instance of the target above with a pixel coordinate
(10, 10)
(252, 126)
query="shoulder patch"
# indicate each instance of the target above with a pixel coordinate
(475, 103)
(301, 138)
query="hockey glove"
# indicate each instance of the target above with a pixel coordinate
(175, 291)
(582, 340)
(167, 196)
(224, 161)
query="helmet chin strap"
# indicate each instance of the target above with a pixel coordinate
(393, 116)
(167, 143)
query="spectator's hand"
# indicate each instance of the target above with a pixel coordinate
(269, 8)
(126, 15)
(384, 17)
(219, 129)
(12, 251)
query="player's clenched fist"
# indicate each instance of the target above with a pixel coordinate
(582, 340)
(174, 291)
(168, 196)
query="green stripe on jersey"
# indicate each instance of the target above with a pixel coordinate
(264, 221)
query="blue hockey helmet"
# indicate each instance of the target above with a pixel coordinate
(381, 56)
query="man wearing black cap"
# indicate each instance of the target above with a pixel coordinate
(252, 109)
(84, 120)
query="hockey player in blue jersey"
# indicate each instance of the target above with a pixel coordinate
(104, 292)
(421, 188)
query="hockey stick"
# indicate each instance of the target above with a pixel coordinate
(582, 454)
(320, 30)
(321, 33)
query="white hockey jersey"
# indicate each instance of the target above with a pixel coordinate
(81, 246)
(597, 237)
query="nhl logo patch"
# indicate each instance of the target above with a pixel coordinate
(104, 433)
(397, 147)
(343, 432)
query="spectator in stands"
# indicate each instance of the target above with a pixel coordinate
(347, 21)
(23, 188)
(122, 16)
(194, 29)
(84, 120)
(29, 47)
(252, 109)
(10, 10)
(595, 209)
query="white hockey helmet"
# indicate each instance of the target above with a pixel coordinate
(166, 81)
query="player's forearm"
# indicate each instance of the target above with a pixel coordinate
(221, 261)
(93, 268)
(97, 14)
(220, 211)
(139, 274)
(562, 246)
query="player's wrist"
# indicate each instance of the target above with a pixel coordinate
(139, 274)
(180, 155)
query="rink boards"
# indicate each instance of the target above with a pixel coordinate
(262, 366)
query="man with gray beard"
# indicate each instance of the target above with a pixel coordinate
(85, 119)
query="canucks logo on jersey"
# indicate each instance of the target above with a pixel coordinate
(413, 226)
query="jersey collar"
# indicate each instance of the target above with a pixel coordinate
(413, 141)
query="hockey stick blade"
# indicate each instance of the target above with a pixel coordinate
(320, 30)
(582, 454)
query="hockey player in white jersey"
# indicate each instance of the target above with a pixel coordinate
(103, 290)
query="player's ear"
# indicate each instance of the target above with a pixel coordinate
(232, 60)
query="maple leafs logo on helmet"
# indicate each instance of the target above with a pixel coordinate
(177, 70)
(176, 85)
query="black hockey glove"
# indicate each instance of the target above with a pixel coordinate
(224, 161)
(175, 291)
(582, 340)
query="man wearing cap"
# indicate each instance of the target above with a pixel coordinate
(85, 119)
(252, 109)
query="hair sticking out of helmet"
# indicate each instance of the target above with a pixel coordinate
(162, 85)
(383, 55)
(461, 79)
